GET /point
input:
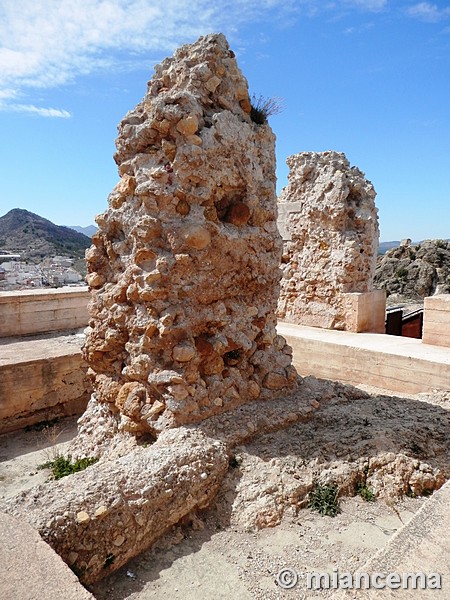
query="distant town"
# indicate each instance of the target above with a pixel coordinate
(55, 271)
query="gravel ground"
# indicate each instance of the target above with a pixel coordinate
(257, 524)
(211, 563)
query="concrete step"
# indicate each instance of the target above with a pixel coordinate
(30, 569)
(41, 378)
(399, 364)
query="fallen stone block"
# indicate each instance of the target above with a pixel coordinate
(98, 519)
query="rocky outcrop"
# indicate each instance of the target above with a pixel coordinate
(414, 271)
(184, 268)
(329, 224)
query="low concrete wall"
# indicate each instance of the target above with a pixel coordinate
(436, 320)
(41, 379)
(28, 312)
(366, 312)
(398, 364)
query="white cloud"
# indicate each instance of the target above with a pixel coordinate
(358, 30)
(7, 94)
(45, 44)
(428, 12)
(41, 112)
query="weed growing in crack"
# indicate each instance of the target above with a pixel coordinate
(324, 500)
(365, 492)
(61, 466)
(263, 108)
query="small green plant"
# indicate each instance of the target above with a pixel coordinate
(365, 492)
(402, 273)
(62, 466)
(263, 108)
(324, 500)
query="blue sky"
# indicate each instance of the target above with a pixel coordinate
(370, 78)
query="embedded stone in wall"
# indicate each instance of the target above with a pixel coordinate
(184, 270)
(329, 224)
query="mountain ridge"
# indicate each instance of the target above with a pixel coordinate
(34, 237)
(88, 231)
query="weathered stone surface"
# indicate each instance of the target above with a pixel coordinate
(329, 224)
(98, 519)
(270, 475)
(184, 268)
(413, 271)
(138, 492)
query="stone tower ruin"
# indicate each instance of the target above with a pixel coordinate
(329, 225)
(184, 270)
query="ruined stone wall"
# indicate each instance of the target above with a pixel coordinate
(184, 268)
(329, 224)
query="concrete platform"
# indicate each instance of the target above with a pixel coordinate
(421, 546)
(30, 569)
(399, 364)
(41, 378)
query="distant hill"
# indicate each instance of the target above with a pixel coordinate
(383, 246)
(34, 237)
(89, 230)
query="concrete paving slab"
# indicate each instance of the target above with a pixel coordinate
(30, 569)
(421, 546)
